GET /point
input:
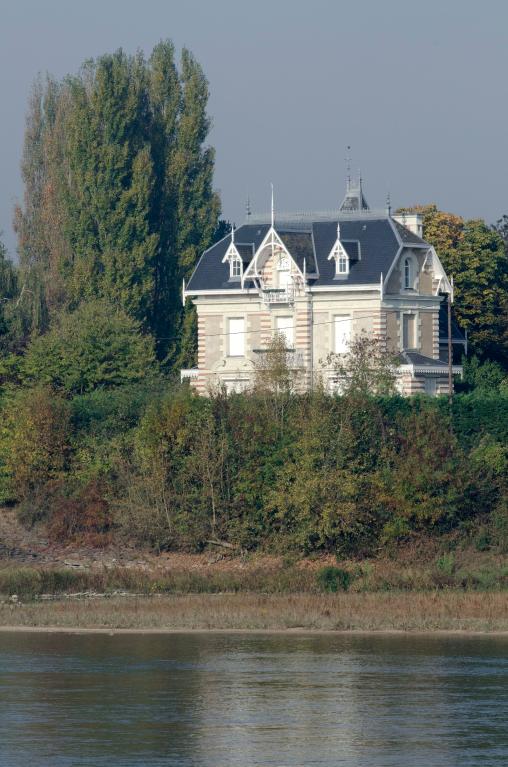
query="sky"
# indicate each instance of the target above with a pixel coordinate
(417, 89)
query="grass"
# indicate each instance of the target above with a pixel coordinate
(445, 572)
(437, 611)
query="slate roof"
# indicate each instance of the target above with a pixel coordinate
(407, 236)
(420, 360)
(370, 242)
(457, 334)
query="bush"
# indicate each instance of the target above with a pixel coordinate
(35, 440)
(97, 346)
(333, 579)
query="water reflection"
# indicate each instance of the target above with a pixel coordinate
(239, 700)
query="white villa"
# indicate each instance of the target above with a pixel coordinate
(321, 279)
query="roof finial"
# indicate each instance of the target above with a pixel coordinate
(273, 209)
(247, 207)
(338, 231)
(389, 204)
(348, 167)
(232, 233)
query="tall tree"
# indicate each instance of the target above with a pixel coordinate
(118, 188)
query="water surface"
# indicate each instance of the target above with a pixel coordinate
(244, 700)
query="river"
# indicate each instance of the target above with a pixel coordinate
(224, 700)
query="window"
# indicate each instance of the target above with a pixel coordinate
(342, 333)
(409, 331)
(341, 263)
(236, 337)
(284, 328)
(235, 268)
(408, 274)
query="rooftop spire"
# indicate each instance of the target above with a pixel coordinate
(232, 233)
(354, 199)
(273, 209)
(348, 168)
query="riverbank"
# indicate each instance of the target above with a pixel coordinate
(413, 612)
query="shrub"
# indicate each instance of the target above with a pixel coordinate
(333, 579)
(446, 564)
(83, 516)
(35, 442)
(97, 346)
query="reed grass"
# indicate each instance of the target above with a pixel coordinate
(395, 611)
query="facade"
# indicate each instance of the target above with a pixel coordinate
(319, 280)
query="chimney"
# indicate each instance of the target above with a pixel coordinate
(412, 221)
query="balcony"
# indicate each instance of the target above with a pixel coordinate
(189, 374)
(278, 295)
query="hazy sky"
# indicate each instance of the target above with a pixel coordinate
(419, 90)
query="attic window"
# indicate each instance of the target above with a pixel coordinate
(342, 263)
(235, 268)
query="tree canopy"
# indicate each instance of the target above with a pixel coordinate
(118, 189)
(97, 346)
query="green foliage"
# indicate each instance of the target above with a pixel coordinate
(446, 563)
(97, 346)
(118, 191)
(483, 376)
(366, 369)
(333, 579)
(343, 475)
(34, 440)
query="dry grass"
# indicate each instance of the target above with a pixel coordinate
(399, 611)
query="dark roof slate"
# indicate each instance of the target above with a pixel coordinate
(370, 242)
(457, 334)
(406, 235)
(301, 247)
(420, 360)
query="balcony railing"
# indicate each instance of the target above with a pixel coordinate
(278, 295)
(188, 374)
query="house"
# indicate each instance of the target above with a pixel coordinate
(319, 280)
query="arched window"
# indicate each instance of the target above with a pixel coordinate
(408, 276)
(235, 268)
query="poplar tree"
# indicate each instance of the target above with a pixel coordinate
(119, 200)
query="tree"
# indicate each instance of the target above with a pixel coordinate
(8, 292)
(366, 369)
(118, 190)
(96, 346)
(501, 227)
(474, 255)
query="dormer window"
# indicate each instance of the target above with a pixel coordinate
(407, 274)
(342, 264)
(341, 258)
(235, 268)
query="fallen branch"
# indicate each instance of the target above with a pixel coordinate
(224, 544)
